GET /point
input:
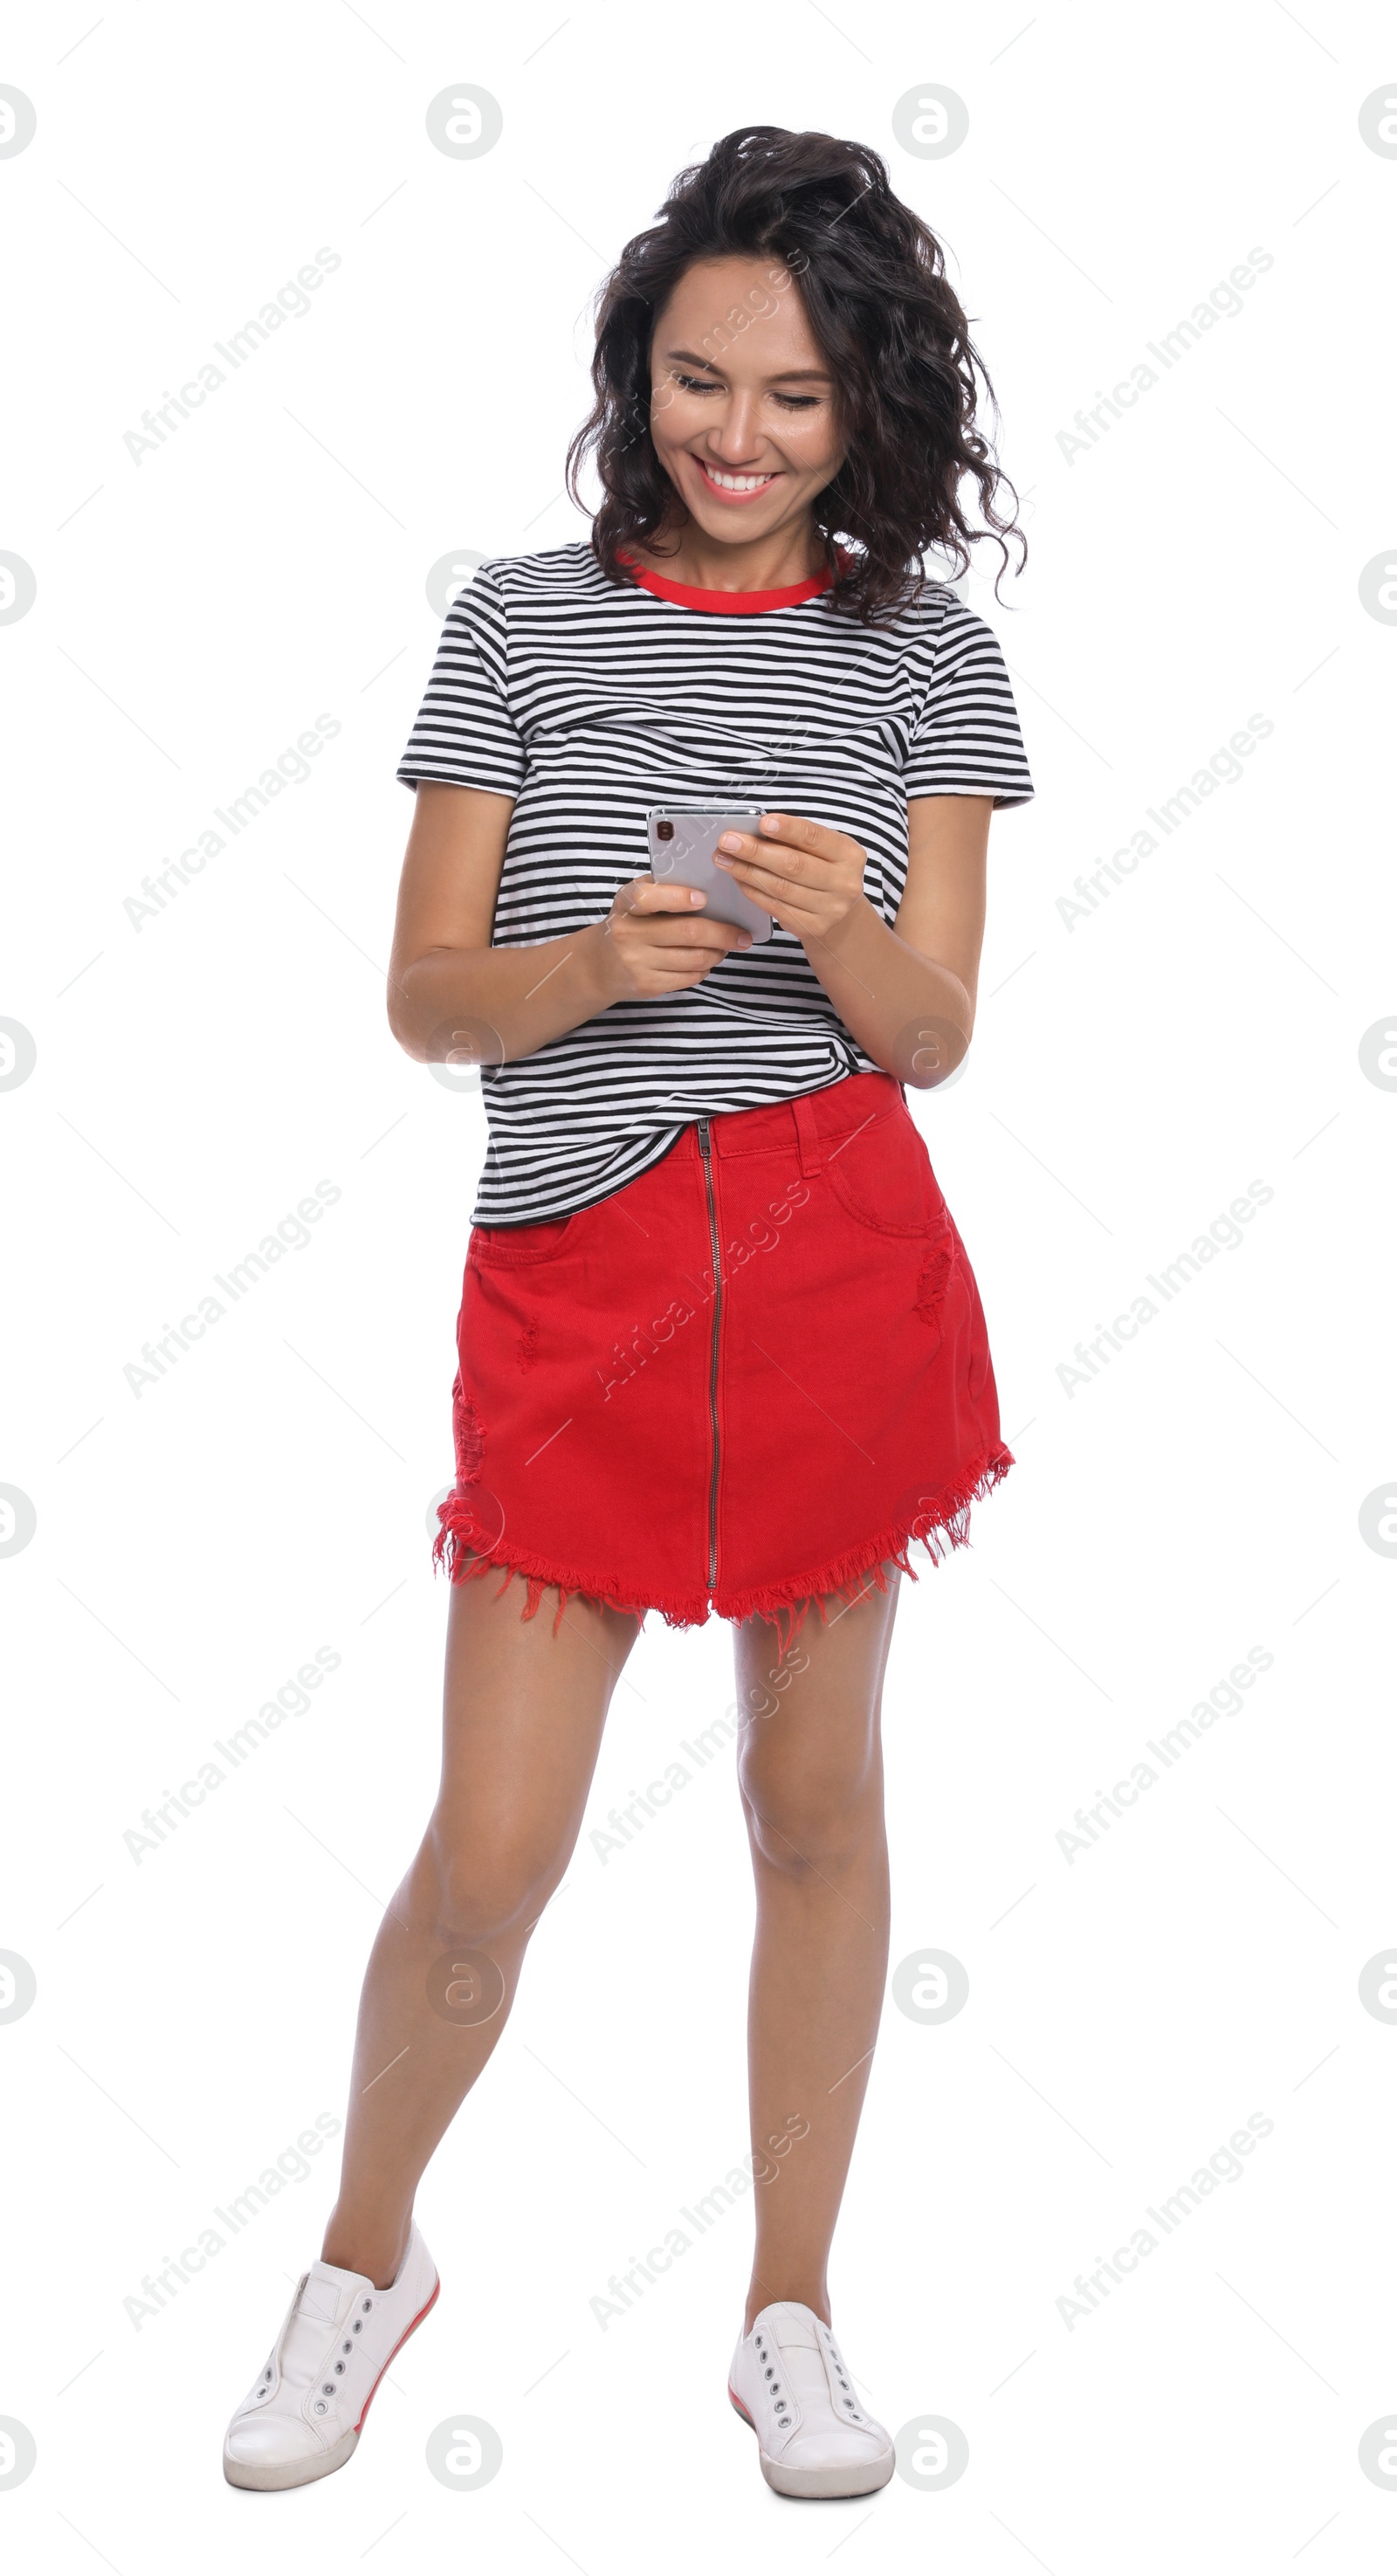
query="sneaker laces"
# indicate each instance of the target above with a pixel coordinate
(313, 2345)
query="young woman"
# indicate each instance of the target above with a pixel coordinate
(720, 1346)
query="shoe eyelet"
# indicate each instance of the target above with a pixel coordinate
(346, 2347)
(358, 2325)
(368, 2303)
(339, 2369)
(319, 2406)
(328, 2388)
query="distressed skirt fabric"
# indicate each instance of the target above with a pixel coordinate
(749, 1380)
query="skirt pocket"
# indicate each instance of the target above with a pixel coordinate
(519, 1247)
(882, 1177)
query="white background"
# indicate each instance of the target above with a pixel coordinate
(1132, 1074)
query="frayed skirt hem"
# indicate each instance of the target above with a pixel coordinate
(940, 1522)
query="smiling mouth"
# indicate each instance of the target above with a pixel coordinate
(734, 487)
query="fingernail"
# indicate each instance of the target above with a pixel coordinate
(730, 841)
(771, 822)
(746, 939)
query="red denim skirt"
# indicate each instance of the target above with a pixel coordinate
(749, 1380)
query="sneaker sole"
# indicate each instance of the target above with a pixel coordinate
(271, 2477)
(830, 2483)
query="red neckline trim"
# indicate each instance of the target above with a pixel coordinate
(726, 603)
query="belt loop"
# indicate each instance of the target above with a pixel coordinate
(812, 1152)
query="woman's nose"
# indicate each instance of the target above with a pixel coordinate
(737, 438)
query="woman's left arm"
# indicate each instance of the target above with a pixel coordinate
(907, 994)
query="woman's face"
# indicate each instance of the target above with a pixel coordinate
(743, 411)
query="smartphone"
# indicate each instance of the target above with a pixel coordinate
(682, 840)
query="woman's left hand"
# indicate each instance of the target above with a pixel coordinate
(807, 877)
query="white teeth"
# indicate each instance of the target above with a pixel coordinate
(736, 482)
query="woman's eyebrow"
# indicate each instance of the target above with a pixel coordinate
(784, 375)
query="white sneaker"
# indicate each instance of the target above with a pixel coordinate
(816, 2437)
(306, 2413)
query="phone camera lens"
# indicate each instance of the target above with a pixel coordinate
(664, 831)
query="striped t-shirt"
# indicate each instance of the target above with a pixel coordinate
(588, 702)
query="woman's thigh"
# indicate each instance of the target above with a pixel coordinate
(524, 1705)
(809, 1749)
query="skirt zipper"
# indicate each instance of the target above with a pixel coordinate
(706, 1152)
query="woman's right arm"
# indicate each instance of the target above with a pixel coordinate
(445, 980)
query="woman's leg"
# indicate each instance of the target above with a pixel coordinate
(810, 1770)
(523, 1712)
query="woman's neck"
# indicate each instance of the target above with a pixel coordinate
(775, 562)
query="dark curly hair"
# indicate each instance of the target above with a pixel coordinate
(872, 277)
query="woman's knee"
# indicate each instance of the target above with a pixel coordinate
(479, 1888)
(805, 1819)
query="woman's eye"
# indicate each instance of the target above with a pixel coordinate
(701, 385)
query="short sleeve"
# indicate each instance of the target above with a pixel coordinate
(966, 740)
(465, 734)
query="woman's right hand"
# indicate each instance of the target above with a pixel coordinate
(659, 939)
